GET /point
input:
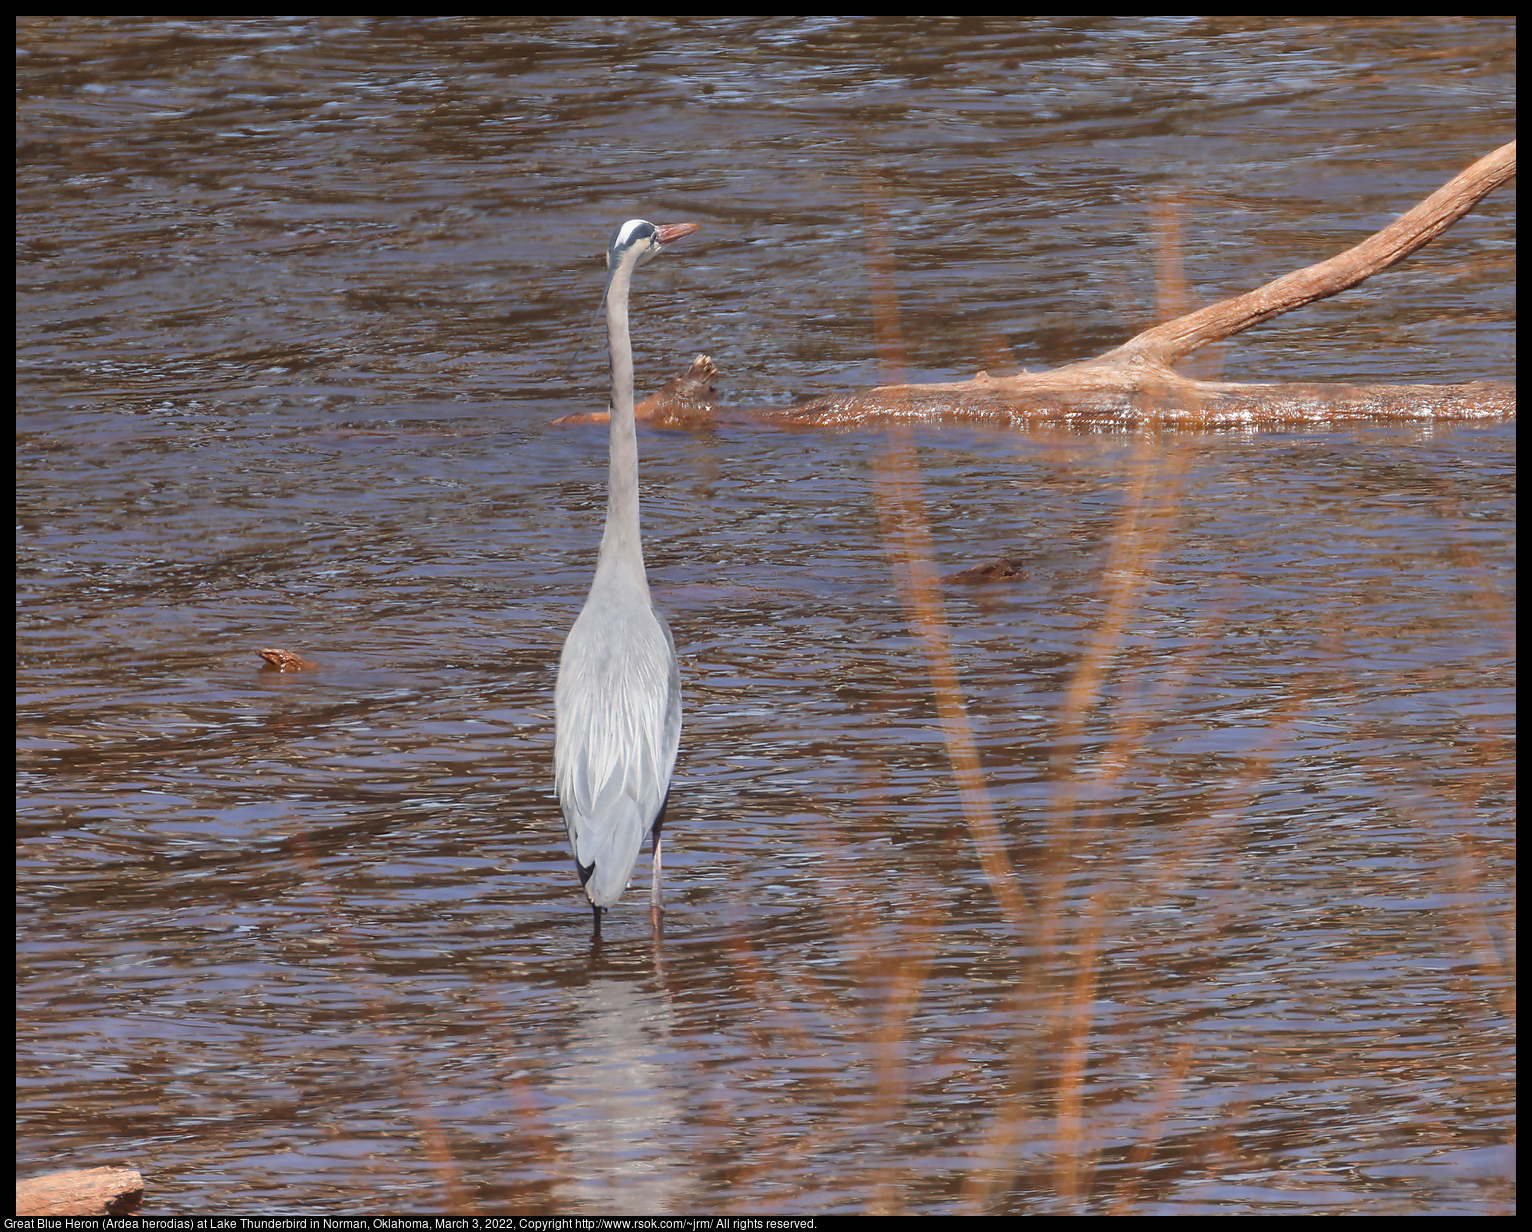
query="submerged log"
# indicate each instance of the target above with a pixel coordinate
(1103, 397)
(993, 571)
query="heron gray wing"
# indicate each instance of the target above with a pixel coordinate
(617, 730)
(670, 743)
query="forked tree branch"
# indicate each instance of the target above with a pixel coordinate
(1173, 341)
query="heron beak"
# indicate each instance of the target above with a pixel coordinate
(671, 232)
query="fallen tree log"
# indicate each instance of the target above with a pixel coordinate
(86, 1191)
(1136, 382)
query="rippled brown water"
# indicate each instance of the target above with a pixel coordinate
(292, 303)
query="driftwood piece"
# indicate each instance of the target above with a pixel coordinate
(685, 401)
(1135, 383)
(278, 660)
(89, 1191)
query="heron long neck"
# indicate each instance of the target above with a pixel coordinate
(622, 553)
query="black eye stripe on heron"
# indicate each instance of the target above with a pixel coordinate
(617, 705)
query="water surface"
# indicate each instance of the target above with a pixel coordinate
(293, 300)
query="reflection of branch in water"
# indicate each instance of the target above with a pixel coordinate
(907, 540)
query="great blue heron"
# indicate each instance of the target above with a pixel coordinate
(618, 702)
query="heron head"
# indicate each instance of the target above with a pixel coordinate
(644, 240)
(636, 241)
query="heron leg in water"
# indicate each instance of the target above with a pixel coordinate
(597, 910)
(656, 899)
